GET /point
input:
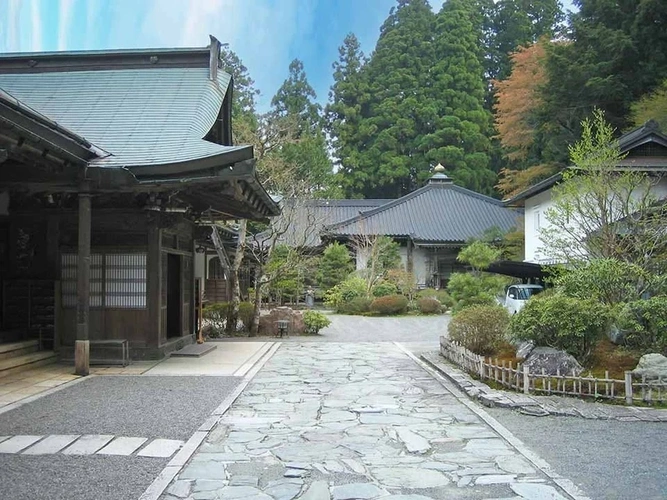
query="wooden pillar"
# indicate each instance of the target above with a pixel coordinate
(154, 281)
(410, 257)
(82, 344)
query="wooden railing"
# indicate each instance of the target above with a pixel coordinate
(632, 389)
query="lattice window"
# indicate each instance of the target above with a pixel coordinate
(116, 280)
(68, 281)
(125, 280)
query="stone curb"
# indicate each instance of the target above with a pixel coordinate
(162, 481)
(531, 405)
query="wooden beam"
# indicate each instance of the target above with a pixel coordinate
(82, 345)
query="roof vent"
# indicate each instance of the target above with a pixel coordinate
(439, 176)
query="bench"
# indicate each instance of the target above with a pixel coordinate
(122, 343)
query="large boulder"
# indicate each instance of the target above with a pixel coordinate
(268, 322)
(524, 349)
(652, 365)
(552, 361)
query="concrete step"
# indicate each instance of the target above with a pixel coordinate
(26, 362)
(15, 349)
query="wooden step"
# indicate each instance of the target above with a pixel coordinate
(15, 349)
(26, 362)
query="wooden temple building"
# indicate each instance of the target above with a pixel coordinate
(112, 166)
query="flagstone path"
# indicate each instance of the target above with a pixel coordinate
(354, 421)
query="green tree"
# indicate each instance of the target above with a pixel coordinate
(296, 98)
(479, 255)
(457, 86)
(396, 106)
(334, 266)
(652, 106)
(244, 91)
(344, 111)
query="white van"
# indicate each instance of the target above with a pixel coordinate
(517, 295)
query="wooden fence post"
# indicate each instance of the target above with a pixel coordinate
(526, 380)
(481, 368)
(628, 388)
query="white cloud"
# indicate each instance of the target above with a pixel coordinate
(65, 9)
(35, 27)
(9, 26)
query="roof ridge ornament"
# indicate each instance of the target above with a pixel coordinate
(439, 176)
(214, 58)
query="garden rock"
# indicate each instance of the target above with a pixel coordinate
(552, 361)
(524, 349)
(268, 325)
(652, 365)
(616, 335)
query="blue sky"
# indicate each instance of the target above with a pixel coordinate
(266, 34)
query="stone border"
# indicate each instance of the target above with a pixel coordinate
(174, 467)
(539, 406)
(565, 484)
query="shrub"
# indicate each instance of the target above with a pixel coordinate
(480, 328)
(566, 323)
(469, 290)
(441, 295)
(390, 304)
(246, 314)
(645, 324)
(334, 266)
(351, 288)
(384, 288)
(358, 305)
(215, 314)
(315, 321)
(428, 305)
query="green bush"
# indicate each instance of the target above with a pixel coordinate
(358, 305)
(384, 288)
(645, 324)
(480, 328)
(390, 304)
(566, 323)
(246, 314)
(351, 288)
(315, 321)
(215, 314)
(468, 290)
(428, 305)
(441, 295)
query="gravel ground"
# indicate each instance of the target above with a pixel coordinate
(151, 407)
(609, 460)
(61, 477)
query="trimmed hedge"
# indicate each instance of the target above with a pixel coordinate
(384, 288)
(390, 304)
(481, 328)
(428, 305)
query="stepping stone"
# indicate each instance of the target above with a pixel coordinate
(244, 481)
(161, 448)
(18, 443)
(88, 444)
(319, 490)
(414, 443)
(122, 446)
(51, 444)
(357, 491)
(495, 479)
(180, 489)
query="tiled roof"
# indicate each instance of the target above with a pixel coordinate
(437, 212)
(140, 117)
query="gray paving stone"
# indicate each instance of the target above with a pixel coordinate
(413, 442)
(204, 470)
(17, 443)
(515, 464)
(495, 479)
(410, 478)
(296, 473)
(208, 485)
(239, 480)
(50, 444)
(406, 497)
(357, 491)
(318, 490)
(180, 489)
(532, 491)
(241, 493)
(88, 444)
(286, 489)
(161, 448)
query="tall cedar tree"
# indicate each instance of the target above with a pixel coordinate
(396, 105)
(617, 53)
(343, 113)
(461, 125)
(294, 102)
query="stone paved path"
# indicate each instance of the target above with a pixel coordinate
(354, 421)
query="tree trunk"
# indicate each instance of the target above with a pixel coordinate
(254, 328)
(233, 314)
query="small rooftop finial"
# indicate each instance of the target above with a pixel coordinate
(439, 169)
(439, 176)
